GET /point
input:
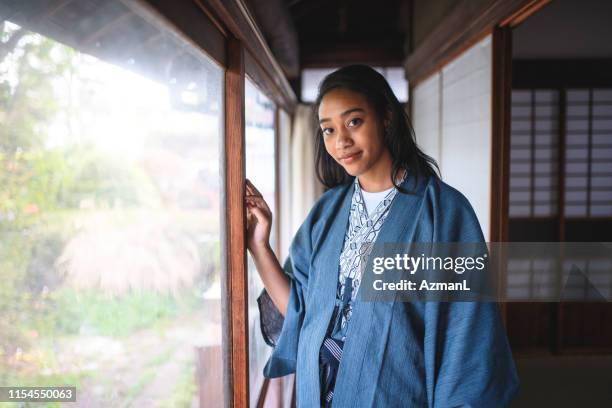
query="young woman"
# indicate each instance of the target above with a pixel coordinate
(382, 188)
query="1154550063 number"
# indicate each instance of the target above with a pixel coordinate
(38, 394)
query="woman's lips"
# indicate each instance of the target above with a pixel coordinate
(351, 158)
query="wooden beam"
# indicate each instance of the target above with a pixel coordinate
(562, 73)
(235, 291)
(186, 20)
(264, 82)
(523, 13)
(335, 53)
(461, 29)
(261, 400)
(501, 101)
(501, 87)
(235, 17)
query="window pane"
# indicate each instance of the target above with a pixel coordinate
(109, 208)
(260, 170)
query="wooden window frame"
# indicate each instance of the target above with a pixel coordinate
(226, 31)
(234, 18)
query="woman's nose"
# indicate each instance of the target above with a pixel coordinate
(344, 139)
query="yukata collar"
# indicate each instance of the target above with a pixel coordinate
(399, 180)
(358, 196)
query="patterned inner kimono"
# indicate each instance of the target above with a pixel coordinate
(359, 238)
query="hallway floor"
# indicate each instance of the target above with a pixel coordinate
(564, 381)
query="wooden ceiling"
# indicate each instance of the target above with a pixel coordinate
(336, 32)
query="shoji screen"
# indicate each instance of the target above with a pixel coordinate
(534, 153)
(584, 140)
(588, 163)
(452, 118)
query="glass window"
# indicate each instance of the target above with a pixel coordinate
(110, 129)
(260, 170)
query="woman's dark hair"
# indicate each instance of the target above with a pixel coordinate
(399, 137)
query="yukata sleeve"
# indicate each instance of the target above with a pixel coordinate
(271, 319)
(282, 332)
(474, 363)
(469, 362)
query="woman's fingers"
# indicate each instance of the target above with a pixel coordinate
(254, 199)
(259, 214)
(259, 217)
(259, 202)
(249, 187)
(253, 188)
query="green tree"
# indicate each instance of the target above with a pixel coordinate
(30, 175)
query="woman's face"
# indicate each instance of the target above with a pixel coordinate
(352, 131)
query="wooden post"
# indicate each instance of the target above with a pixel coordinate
(235, 282)
(500, 145)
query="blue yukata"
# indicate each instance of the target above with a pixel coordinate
(361, 233)
(393, 354)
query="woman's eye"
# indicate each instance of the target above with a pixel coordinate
(355, 122)
(327, 131)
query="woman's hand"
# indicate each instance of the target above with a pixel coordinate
(259, 219)
(259, 223)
